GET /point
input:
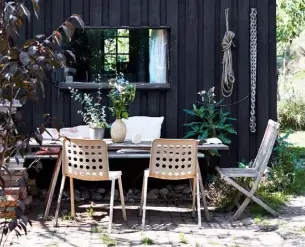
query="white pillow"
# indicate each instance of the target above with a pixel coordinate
(81, 131)
(50, 134)
(148, 127)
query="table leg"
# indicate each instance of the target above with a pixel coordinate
(203, 194)
(52, 186)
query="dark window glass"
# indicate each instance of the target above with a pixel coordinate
(140, 54)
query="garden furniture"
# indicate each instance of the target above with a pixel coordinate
(174, 159)
(88, 160)
(256, 172)
(114, 152)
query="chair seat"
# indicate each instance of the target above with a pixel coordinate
(114, 175)
(237, 172)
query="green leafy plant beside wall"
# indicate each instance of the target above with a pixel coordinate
(211, 120)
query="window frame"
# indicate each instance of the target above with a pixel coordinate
(139, 85)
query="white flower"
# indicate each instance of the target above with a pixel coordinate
(212, 89)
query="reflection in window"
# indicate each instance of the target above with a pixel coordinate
(140, 54)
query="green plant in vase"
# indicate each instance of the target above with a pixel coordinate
(93, 113)
(211, 121)
(121, 94)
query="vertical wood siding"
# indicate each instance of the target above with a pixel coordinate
(196, 31)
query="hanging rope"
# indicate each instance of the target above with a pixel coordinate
(227, 79)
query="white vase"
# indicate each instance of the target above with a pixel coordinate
(118, 131)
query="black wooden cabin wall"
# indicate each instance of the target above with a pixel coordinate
(196, 31)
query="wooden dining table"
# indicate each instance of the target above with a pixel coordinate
(123, 150)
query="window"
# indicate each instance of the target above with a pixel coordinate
(141, 54)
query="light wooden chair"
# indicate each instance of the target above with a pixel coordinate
(174, 160)
(256, 171)
(88, 160)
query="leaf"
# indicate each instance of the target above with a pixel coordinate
(79, 20)
(190, 112)
(71, 54)
(24, 58)
(125, 115)
(68, 29)
(190, 134)
(36, 7)
(57, 38)
(26, 11)
(28, 43)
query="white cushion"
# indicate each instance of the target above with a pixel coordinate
(81, 131)
(148, 127)
(50, 134)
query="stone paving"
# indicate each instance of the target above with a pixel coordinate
(173, 227)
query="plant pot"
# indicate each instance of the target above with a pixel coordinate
(118, 131)
(96, 133)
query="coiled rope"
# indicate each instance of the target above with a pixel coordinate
(227, 79)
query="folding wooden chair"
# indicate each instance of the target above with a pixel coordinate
(256, 171)
(173, 159)
(88, 160)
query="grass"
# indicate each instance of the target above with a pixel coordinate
(302, 229)
(182, 238)
(90, 209)
(106, 239)
(274, 200)
(146, 240)
(67, 216)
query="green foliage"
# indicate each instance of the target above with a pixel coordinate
(290, 22)
(291, 113)
(146, 240)
(90, 209)
(183, 239)
(287, 169)
(93, 113)
(107, 240)
(212, 121)
(121, 94)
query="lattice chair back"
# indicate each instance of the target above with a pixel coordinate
(85, 159)
(173, 159)
(265, 150)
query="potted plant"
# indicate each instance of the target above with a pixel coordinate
(93, 113)
(211, 120)
(121, 94)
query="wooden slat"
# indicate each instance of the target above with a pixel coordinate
(163, 12)
(186, 87)
(272, 60)
(95, 12)
(115, 12)
(134, 12)
(105, 12)
(262, 108)
(154, 13)
(125, 16)
(179, 68)
(172, 95)
(243, 79)
(144, 12)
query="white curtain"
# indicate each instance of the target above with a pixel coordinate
(157, 56)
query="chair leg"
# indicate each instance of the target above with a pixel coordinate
(142, 197)
(193, 186)
(144, 200)
(203, 194)
(241, 209)
(72, 198)
(122, 198)
(62, 186)
(198, 200)
(111, 205)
